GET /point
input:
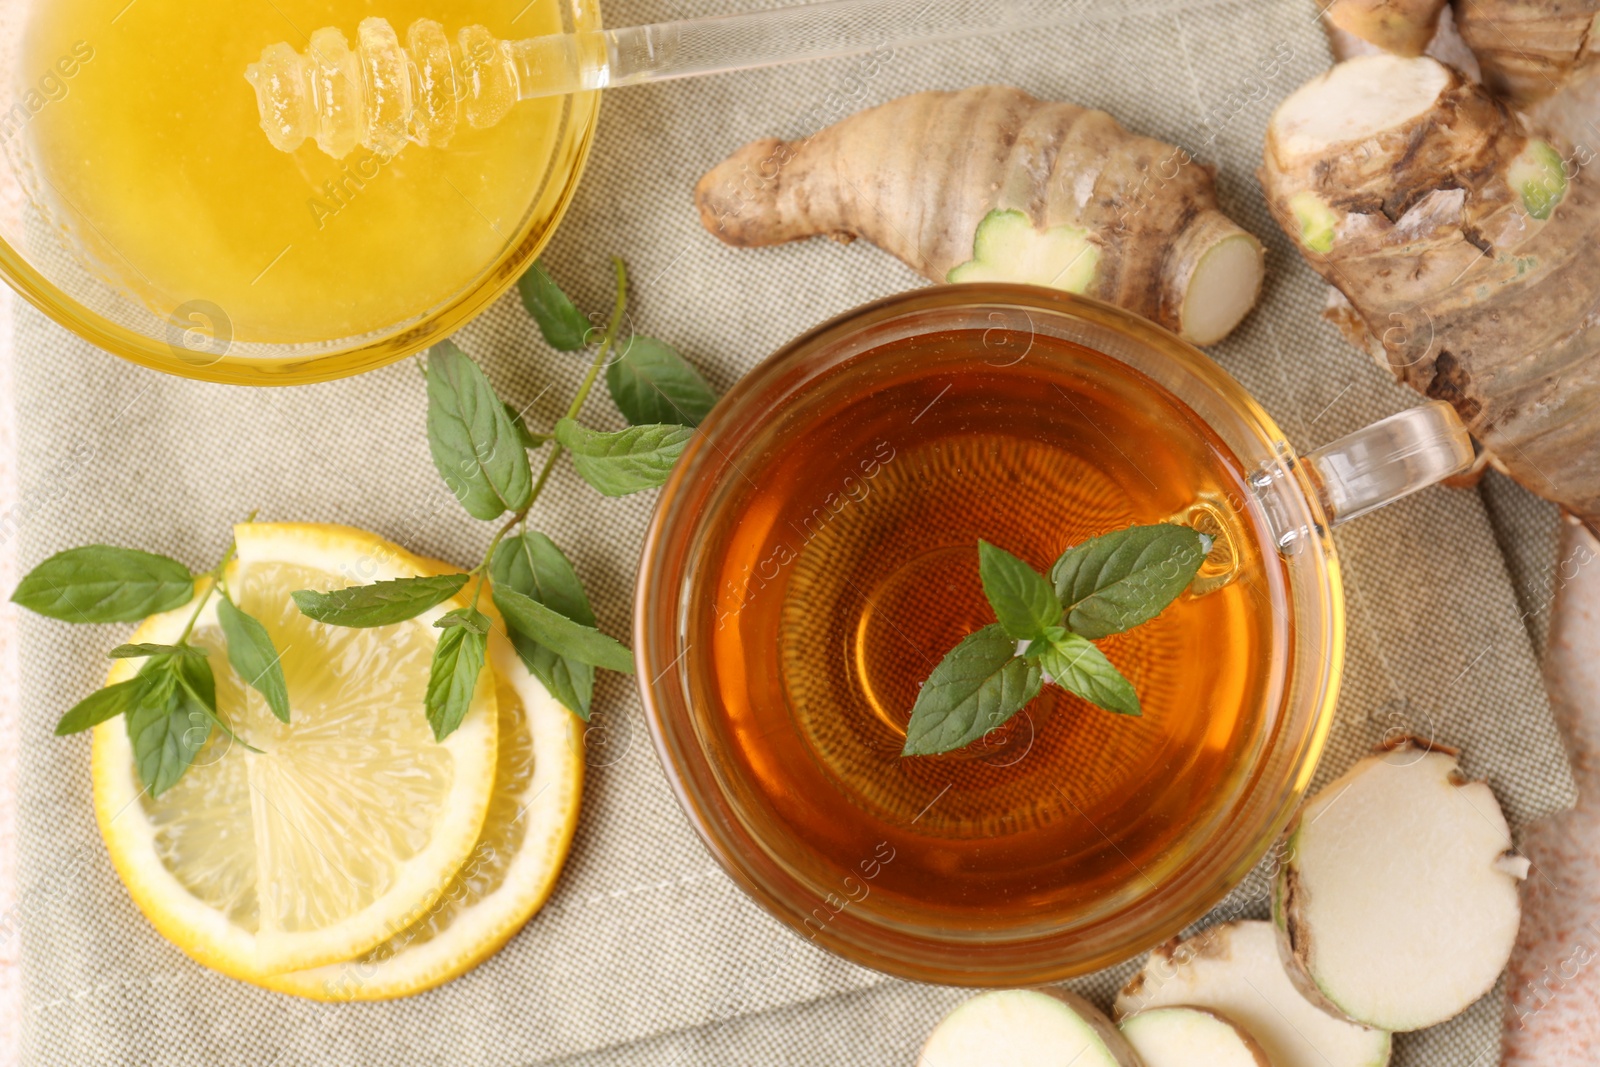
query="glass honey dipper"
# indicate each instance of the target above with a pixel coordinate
(383, 93)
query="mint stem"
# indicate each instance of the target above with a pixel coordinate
(573, 409)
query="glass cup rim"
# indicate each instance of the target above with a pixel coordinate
(952, 961)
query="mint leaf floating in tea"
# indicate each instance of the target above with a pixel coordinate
(564, 327)
(1104, 586)
(1076, 665)
(1116, 581)
(253, 656)
(381, 603)
(476, 448)
(628, 461)
(100, 583)
(978, 686)
(1022, 600)
(651, 383)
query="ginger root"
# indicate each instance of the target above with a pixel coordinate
(1403, 27)
(989, 184)
(1466, 248)
(1528, 49)
(1536, 54)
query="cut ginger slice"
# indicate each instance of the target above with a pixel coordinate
(1398, 905)
(1235, 970)
(1026, 1028)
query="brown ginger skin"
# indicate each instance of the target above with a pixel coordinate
(1453, 284)
(1403, 27)
(917, 175)
(1528, 49)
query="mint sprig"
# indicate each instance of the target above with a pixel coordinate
(1046, 630)
(170, 706)
(481, 447)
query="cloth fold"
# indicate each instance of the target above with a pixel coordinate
(648, 953)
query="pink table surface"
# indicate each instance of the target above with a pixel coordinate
(1554, 1016)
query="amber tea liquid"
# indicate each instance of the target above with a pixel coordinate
(844, 565)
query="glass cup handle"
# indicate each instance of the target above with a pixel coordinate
(1395, 457)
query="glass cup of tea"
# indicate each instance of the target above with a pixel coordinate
(815, 555)
(143, 207)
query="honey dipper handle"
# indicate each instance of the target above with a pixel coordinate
(548, 66)
(384, 92)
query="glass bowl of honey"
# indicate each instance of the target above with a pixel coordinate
(144, 207)
(815, 555)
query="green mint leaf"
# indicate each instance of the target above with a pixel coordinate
(1077, 666)
(199, 686)
(100, 583)
(254, 657)
(381, 603)
(560, 634)
(99, 706)
(1116, 581)
(651, 383)
(466, 618)
(137, 651)
(195, 678)
(980, 684)
(528, 438)
(564, 327)
(532, 565)
(168, 723)
(1022, 600)
(475, 446)
(640, 457)
(453, 678)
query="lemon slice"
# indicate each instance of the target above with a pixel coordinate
(352, 822)
(512, 869)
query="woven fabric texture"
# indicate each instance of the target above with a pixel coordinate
(648, 953)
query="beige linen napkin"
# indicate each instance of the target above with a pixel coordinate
(647, 953)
